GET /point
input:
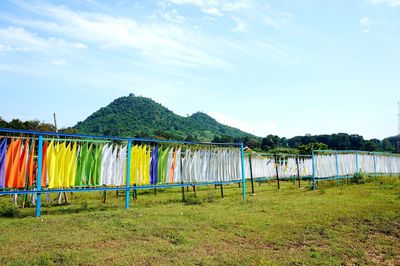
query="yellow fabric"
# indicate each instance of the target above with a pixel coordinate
(61, 153)
(72, 165)
(51, 164)
(146, 165)
(61, 164)
(140, 165)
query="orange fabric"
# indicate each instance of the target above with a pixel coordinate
(20, 179)
(172, 170)
(31, 165)
(12, 158)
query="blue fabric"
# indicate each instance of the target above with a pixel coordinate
(154, 166)
(3, 150)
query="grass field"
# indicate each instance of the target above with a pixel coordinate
(349, 224)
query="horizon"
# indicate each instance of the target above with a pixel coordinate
(287, 69)
(187, 115)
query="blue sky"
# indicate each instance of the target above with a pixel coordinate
(268, 67)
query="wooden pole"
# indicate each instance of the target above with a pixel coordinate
(276, 171)
(251, 176)
(298, 169)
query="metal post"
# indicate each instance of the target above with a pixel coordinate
(39, 176)
(183, 192)
(337, 169)
(243, 177)
(134, 192)
(374, 164)
(313, 170)
(298, 168)
(222, 190)
(128, 175)
(277, 174)
(251, 175)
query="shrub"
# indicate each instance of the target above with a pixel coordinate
(358, 178)
(10, 211)
(192, 200)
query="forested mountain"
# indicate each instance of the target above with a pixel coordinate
(143, 117)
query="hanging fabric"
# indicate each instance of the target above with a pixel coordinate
(51, 164)
(81, 165)
(44, 163)
(3, 151)
(106, 164)
(97, 166)
(154, 166)
(121, 167)
(31, 165)
(71, 166)
(12, 160)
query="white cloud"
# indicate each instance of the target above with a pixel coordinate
(207, 6)
(258, 129)
(212, 11)
(366, 24)
(16, 39)
(172, 16)
(59, 62)
(240, 25)
(164, 43)
(237, 6)
(271, 22)
(215, 7)
(392, 3)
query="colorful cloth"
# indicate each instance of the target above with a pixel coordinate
(3, 151)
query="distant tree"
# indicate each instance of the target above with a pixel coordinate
(3, 123)
(190, 137)
(253, 143)
(283, 142)
(356, 142)
(270, 142)
(370, 146)
(284, 151)
(69, 130)
(307, 149)
(16, 124)
(387, 145)
(226, 139)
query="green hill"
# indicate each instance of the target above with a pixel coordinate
(142, 117)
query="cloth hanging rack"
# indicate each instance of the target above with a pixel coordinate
(18, 137)
(79, 140)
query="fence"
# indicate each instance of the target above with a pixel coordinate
(34, 162)
(331, 165)
(263, 166)
(37, 163)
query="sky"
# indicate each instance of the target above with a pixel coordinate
(288, 68)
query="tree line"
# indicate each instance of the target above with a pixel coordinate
(270, 143)
(305, 144)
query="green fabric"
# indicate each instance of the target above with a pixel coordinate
(160, 152)
(80, 169)
(96, 166)
(162, 165)
(88, 165)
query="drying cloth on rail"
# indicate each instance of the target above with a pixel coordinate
(154, 166)
(140, 165)
(72, 164)
(13, 157)
(44, 163)
(3, 151)
(31, 165)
